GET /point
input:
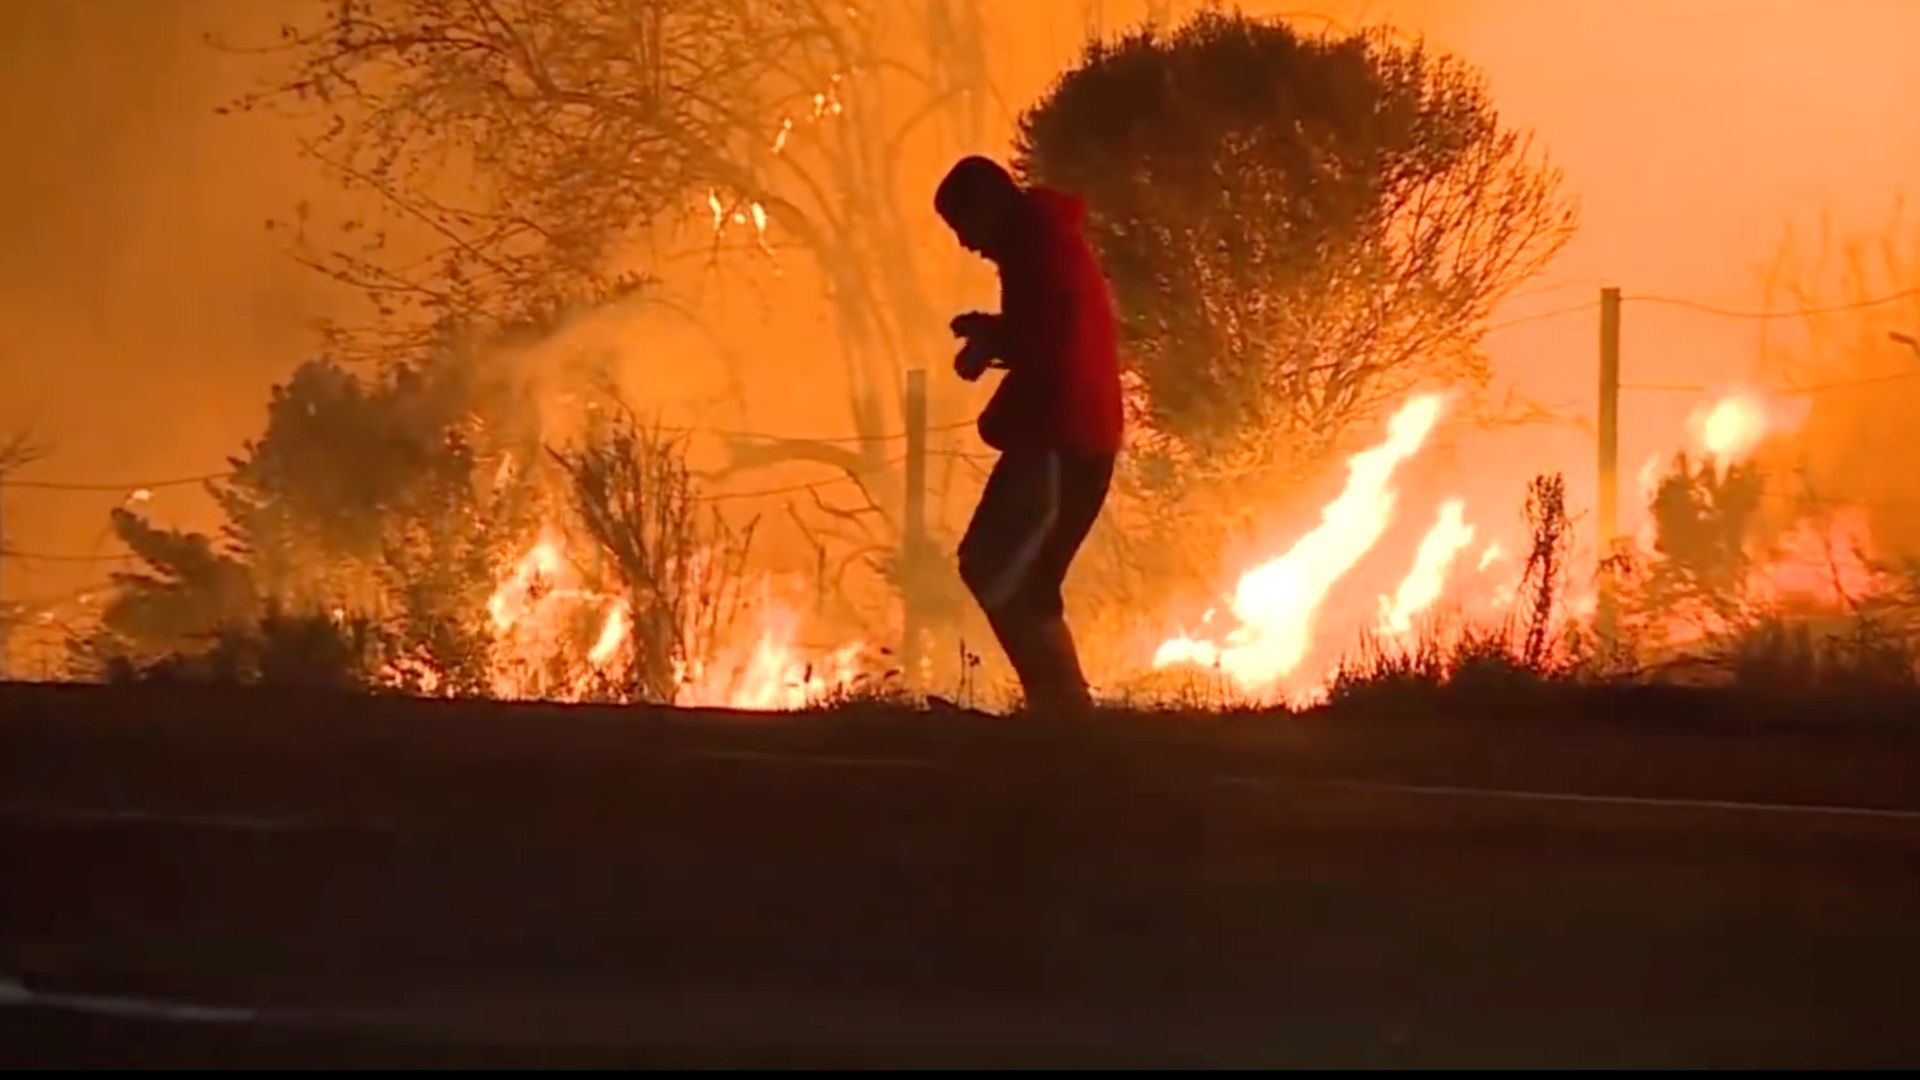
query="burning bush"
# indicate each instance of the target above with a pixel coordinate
(677, 565)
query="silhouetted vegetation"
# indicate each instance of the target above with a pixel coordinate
(1299, 229)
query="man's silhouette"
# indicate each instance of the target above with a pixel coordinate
(1055, 418)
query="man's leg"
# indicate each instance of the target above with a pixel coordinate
(1005, 542)
(1060, 684)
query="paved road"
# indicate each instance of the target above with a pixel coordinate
(195, 880)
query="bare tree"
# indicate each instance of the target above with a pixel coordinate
(547, 151)
(535, 159)
(20, 449)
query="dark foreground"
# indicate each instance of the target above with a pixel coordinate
(236, 880)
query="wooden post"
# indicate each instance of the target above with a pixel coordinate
(6, 621)
(913, 531)
(1607, 620)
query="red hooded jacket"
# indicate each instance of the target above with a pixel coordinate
(1062, 387)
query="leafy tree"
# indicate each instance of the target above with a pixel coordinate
(389, 496)
(1299, 229)
(187, 593)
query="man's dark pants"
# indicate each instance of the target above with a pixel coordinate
(1034, 514)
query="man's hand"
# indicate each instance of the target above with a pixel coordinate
(980, 334)
(975, 325)
(973, 359)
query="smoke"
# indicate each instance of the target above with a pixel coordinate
(143, 309)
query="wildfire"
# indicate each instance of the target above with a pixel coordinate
(541, 612)
(1824, 563)
(557, 639)
(1276, 601)
(613, 634)
(1423, 584)
(773, 674)
(533, 576)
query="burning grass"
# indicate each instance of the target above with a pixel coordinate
(498, 565)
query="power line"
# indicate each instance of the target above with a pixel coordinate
(1669, 388)
(1786, 391)
(1787, 313)
(1541, 316)
(1873, 380)
(893, 436)
(35, 556)
(182, 481)
(1812, 498)
(1711, 309)
(60, 485)
(1554, 287)
(789, 489)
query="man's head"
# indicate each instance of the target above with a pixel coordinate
(979, 201)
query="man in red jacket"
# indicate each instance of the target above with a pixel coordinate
(1055, 418)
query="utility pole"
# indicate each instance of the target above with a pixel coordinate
(6, 620)
(1609, 495)
(913, 532)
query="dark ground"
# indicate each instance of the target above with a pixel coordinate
(428, 884)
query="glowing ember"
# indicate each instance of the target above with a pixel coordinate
(1277, 601)
(1449, 536)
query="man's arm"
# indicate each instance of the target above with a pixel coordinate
(980, 336)
(1036, 309)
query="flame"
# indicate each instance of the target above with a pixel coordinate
(1493, 554)
(1819, 562)
(1423, 584)
(774, 674)
(1291, 613)
(1733, 425)
(1182, 649)
(532, 575)
(538, 611)
(613, 634)
(1277, 601)
(556, 639)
